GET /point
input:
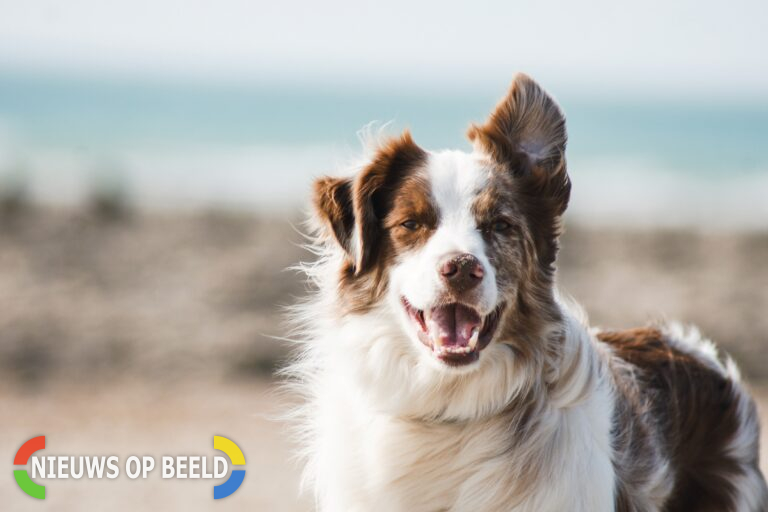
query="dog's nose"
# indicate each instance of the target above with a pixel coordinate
(462, 272)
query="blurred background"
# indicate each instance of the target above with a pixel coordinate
(156, 157)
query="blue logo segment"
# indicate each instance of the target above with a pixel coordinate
(230, 486)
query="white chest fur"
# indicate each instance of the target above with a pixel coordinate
(368, 461)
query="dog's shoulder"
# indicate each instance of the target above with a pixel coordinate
(682, 388)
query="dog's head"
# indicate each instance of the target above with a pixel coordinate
(460, 247)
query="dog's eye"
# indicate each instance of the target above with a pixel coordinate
(501, 226)
(411, 225)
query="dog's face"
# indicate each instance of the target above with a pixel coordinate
(458, 246)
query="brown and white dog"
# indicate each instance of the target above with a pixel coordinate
(442, 372)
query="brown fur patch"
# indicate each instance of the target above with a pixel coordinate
(525, 130)
(411, 202)
(692, 411)
(332, 202)
(383, 191)
(373, 194)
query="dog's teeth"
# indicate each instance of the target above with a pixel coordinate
(473, 339)
(442, 350)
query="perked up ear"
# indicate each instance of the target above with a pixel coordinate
(526, 125)
(526, 133)
(353, 209)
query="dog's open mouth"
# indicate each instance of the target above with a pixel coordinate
(455, 333)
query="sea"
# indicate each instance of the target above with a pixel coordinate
(255, 145)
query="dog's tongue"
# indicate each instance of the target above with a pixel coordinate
(452, 325)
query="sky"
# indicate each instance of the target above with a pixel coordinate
(653, 47)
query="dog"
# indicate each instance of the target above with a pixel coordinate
(441, 371)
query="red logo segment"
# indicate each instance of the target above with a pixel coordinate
(27, 449)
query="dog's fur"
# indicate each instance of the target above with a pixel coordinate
(412, 405)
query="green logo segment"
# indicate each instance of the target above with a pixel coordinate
(22, 477)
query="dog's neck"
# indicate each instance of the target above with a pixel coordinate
(379, 366)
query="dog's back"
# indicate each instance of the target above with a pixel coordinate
(677, 395)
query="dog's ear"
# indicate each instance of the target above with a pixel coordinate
(332, 201)
(373, 190)
(353, 210)
(526, 134)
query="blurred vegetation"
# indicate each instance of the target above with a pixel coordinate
(14, 194)
(109, 198)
